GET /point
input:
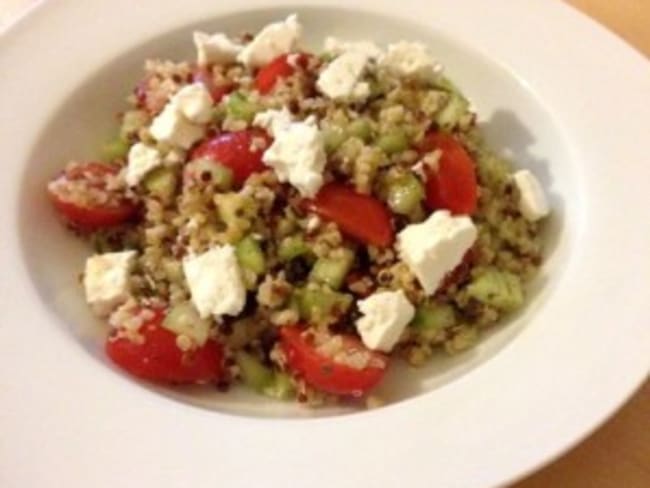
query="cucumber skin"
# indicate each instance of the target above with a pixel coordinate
(253, 373)
(499, 289)
(332, 271)
(250, 256)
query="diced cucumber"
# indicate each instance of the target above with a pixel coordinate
(393, 142)
(404, 194)
(250, 256)
(498, 289)
(434, 317)
(291, 247)
(281, 387)
(332, 271)
(253, 373)
(239, 107)
(360, 128)
(183, 319)
(216, 173)
(333, 138)
(118, 148)
(318, 305)
(451, 114)
(161, 182)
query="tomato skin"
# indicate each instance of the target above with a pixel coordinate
(452, 185)
(325, 374)
(159, 359)
(217, 92)
(233, 150)
(360, 216)
(279, 68)
(90, 218)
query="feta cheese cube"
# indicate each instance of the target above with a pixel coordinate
(171, 127)
(341, 79)
(141, 159)
(215, 282)
(106, 280)
(272, 41)
(216, 48)
(337, 47)
(298, 156)
(533, 204)
(194, 102)
(385, 316)
(436, 246)
(273, 121)
(410, 59)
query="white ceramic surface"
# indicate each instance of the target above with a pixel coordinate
(537, 76)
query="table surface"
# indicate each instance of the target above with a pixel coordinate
(617, 455)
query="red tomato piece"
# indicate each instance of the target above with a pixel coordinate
(360, 216)
(452, 185)
(278, 69)
(326, 374)
(235, 150)
(203, 75)
(78, 212)
(159, 359)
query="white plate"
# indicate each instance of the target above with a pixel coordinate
(566, 97)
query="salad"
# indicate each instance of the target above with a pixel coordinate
(296, 221)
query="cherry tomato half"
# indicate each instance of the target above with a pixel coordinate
(158, 358)
(452, 185)
(235, 150)
(89, 177)
(360, 216)
(278, 69)
(326, 374)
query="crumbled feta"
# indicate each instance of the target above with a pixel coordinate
(171, 126)
(216, 48)
(272, 41)
(385, 316)
(436, 246)
(141, 159)
(410, 59)
(533, 204)
(273, 121)
(106, 280)
(341, 79)
(337, 47)
(215, 282)
(194, 102)
(298, 156)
